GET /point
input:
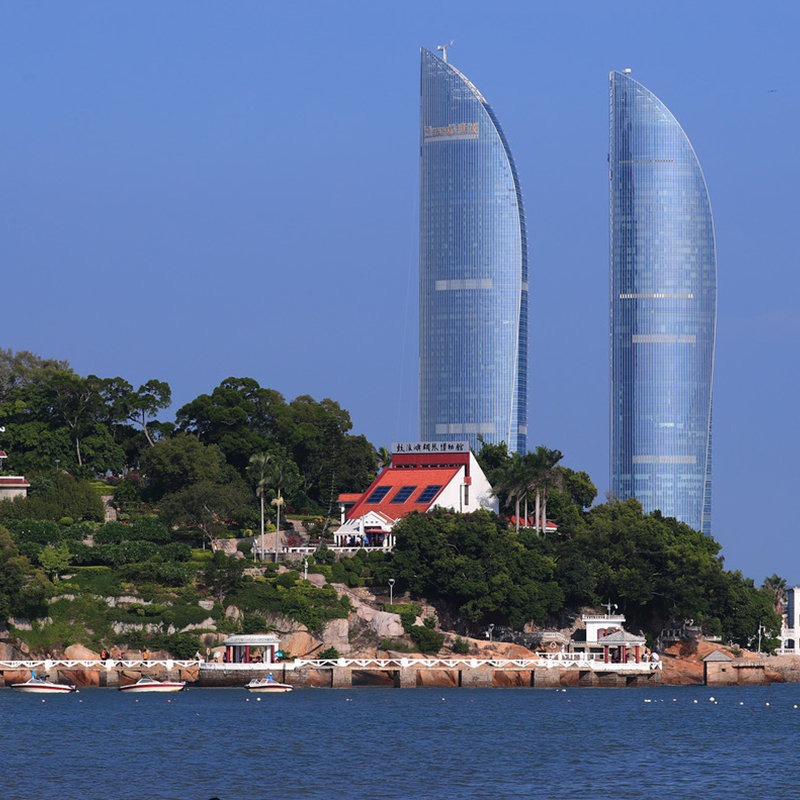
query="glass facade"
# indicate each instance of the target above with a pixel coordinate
(663, 310)
(473, 268)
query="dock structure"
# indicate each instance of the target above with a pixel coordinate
(555, 670)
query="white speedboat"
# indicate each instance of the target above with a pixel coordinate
(268, 685)
(152, 685)
(43, 686)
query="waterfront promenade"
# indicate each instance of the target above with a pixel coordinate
(558, 669)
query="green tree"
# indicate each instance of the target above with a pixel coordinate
(475, 568)
(239, 416)
(24, 368)
(259, 468)
(172, 465)
(138, 407)
(383, 457)
(223, 574)
(20, 585)
(578, 485)
(55, 560)
(205, 505)
(77, 402)
(775, 586)
(544, 477)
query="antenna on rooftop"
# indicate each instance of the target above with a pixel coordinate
(443, 48)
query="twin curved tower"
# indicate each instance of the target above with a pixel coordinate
(474, 290)
(663, 309)
(473, 269)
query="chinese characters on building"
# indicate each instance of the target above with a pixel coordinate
(461, 130)
(430, 447)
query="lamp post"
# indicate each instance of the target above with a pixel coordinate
(305, 568)
(391, 591)
(491, 631)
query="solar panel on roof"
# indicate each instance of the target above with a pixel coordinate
(428, 493)
(378, 494)
(403, 494)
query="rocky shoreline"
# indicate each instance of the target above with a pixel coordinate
(369, 625)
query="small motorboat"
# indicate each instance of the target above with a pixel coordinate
(43, 686)
(268, 685)
(146, 684)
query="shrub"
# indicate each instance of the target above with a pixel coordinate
(287, 579)
(95, 580)
(394, 644)
(460, 646)
(329, 652)
(427, 640)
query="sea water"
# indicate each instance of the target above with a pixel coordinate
(398, 744)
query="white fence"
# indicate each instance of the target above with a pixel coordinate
(594, 663)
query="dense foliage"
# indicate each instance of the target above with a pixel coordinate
(243, 447)
(198, 467)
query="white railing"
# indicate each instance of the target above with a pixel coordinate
(110, 663)
(592, 662)
(556, 660)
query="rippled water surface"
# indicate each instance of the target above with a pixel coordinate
(397, 744)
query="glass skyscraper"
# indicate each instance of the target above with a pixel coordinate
(663, 309)
(473, 268)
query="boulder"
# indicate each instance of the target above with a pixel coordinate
(10, 653)
(300, 644)
(336, 633)
(77, 652)
(480, 649)
(385, 624)
(367, 613)
(280, 624)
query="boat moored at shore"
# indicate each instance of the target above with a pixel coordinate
(36, 685)
(268, 685)
(146, 684)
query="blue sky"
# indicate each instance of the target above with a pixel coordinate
(194, 190)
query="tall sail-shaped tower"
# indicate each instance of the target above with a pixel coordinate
(663, 310)
(473, 268)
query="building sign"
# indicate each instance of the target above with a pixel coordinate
(461, 130)
(430, 447)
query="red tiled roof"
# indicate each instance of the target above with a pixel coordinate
(13, 481)
(530, 523)
(394, 480)
(350, 498)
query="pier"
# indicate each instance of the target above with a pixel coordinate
(552, 670)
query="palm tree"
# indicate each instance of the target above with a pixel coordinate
(544, 475)
(776, 586)
(383, 456)
(259, 466)
(513, 482)
(277, 479)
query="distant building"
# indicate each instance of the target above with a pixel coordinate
(473, 268)
(422, 476)
(12, 486)
(663, 310)
(596, 626)
(790, 630)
